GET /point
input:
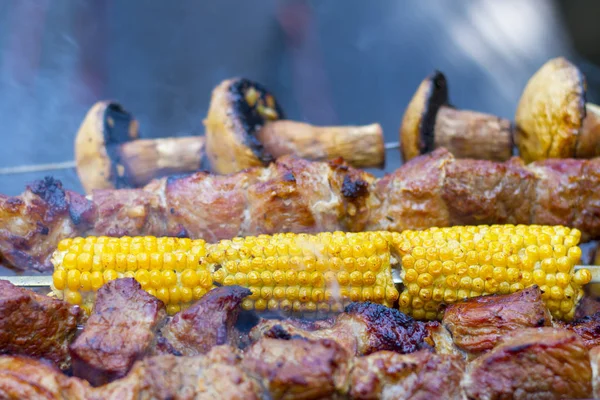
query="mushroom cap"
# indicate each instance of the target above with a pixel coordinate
(105, 127)
(238, 110)
(417, 129)
(551, 111)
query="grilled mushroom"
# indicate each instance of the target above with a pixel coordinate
(245, 127)
(553, 119)
(430, 122)
(108, 154)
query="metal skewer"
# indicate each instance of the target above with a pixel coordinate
(45, 281)
(23, 169)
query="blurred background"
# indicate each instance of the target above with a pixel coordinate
(328, 62)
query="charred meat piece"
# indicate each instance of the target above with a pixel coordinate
(477, 324)
(216, 375)
(363, 328)
(421, 375)
(27, 378)
(35, 325)
(588, 329)
(120, 330)
(541, 363)
(32, 224)
(207, 323)
(299, 369)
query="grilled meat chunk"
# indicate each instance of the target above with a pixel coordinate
(32, 224)
(588, 329)
(207, 323)
(35, 325)
(299, 369)
(120, 330)
(421, 375)
(294, 195)
(595, 362)
(532, 363)
(216, 375)
(26, 378)
(588, 305)
(477, 324)
(363, 328)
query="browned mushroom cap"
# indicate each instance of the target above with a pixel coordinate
(106, 126)
(551, 112)
(417, 129)
(238, 110)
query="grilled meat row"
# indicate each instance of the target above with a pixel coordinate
(489, 347)
(535, 363)
(293, 195)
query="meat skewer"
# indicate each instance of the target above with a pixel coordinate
(293, 195)
(324, 272)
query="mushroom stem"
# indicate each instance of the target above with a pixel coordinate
(147, 159)
(471, 134)
(360, 146)
(588, 142)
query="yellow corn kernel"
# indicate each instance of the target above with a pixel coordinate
(97, 280)
(59, 278)
(173, 309)
(582, 277)
(85, 281)
(163, 294)
(186, 294)
(69, 260)
(110, 275)
(169, 278)
(174, 294)
(84, 262)
(73, 297)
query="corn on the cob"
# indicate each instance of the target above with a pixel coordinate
(298, 272)
(444, 265)
(323, 272)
